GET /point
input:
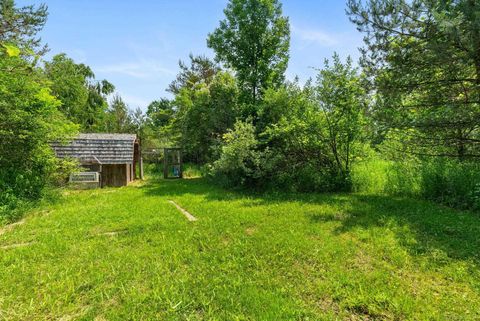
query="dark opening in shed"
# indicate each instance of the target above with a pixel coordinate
(114, 156)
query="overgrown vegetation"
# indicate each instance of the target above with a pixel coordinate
(414, 104)
(444, 181)
(29, 120)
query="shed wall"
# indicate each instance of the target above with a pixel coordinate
(114, 175)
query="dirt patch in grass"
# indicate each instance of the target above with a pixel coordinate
(250, 230)
(15, 245)
(10, 227)
(111, 233)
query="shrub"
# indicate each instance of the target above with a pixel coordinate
(30, 121)
(239, 162)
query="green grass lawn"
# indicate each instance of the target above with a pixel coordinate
(128, 254)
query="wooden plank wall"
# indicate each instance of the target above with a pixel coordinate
(115, 175)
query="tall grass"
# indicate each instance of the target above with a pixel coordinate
(370, 176)
(445, 181)
(452, 183)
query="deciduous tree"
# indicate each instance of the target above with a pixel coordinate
(83, 99)
(253, 40)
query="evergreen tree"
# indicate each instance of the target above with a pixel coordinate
(21, 25)
(423, 60)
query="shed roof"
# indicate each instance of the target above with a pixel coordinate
(99, 148)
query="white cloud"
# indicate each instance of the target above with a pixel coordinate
(319, 37)
(134, 101)
(142, 69)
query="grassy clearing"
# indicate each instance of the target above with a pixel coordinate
(128, 254)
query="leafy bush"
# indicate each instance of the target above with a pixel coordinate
(30, 121)
(203, 115)
(240, 161)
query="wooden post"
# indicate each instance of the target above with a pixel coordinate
(140, 160)
(136, 158)
(165, 163)
(134, 169)
(100, 181)
(180, 164)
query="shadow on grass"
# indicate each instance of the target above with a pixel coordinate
(434, 227)
(207, 189)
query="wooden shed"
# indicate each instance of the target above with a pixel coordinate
(114, 156)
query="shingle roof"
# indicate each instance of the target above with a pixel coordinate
(100, 136)
(99, 148)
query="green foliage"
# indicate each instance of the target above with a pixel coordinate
(118, 119)
(309, 137)
(160, 112)
(83, 99)
(203, 114)
(191, 170)
(450, 182)
(30, 117)
(370, 174)
(343, 102)
(30, 121)
(11, 50)
(423, 61)
(19, 26)
(253, 40)
(445, 181)
(455, 184)
(298, 157)
(240, 161)
(201, 70)
(403, 178)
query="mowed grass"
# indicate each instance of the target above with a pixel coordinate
(128, 254)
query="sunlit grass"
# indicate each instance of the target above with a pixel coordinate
(128, 254)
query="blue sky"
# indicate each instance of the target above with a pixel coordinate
(136, 45)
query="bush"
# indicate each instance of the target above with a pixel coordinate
(30, 121)
(239, 162)
(310, 177)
